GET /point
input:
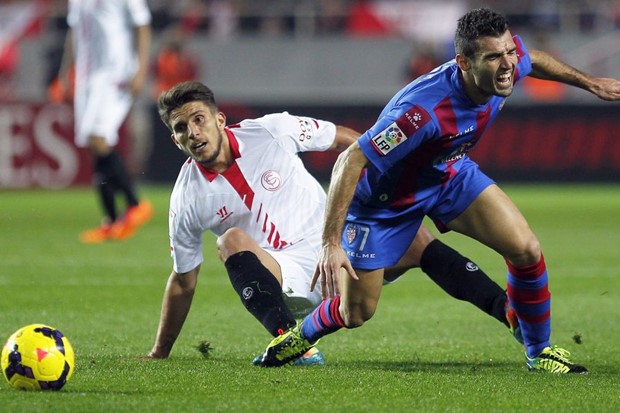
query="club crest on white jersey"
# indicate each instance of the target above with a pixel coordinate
(271, 180)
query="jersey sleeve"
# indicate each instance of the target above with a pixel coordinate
(397, 134)
(185, 240)
(300, 133)
(139, 12)
(524, 62)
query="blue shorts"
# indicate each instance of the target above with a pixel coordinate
(379, 240)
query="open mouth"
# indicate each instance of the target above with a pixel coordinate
(198, 146)
(504, 80)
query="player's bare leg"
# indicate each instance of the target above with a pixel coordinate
(355, 305)
(494, 220)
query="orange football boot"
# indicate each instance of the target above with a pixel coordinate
(133, 218)
(97, 235)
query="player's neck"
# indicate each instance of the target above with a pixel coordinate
(472, 90)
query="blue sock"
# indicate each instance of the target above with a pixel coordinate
(528, 292)
(323, 320)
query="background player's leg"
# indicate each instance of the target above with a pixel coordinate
(118, 173)
(105, 187)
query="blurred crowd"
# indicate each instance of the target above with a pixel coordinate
(222, 18)
(428, 23)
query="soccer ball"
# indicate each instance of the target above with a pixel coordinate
(37, 357)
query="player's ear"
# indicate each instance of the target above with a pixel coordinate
(174, 140)
(220, 120)
(220, 117)
(463, 62)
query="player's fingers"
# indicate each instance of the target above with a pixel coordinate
(349, 268)
(336, 272)
(332, 286)
(315, 278)
(337, 285)
(324, 292)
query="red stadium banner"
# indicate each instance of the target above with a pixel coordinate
(543, 143)
(558, 143)
(37, 149)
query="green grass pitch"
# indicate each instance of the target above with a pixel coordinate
(423, 351)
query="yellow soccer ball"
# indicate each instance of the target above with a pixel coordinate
(37, 357)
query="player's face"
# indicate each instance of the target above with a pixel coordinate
(198, 131)
(491, 71)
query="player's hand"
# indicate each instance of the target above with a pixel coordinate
(153, 356)
(331, 259)
(607, 89)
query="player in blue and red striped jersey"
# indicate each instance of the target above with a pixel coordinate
(413, 163)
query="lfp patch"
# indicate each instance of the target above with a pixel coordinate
(389, 138)
(398, 132)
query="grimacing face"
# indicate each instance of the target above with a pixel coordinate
(493, 67)
(198, 131)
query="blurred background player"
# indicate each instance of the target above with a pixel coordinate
(108, 43)
(173, 63)
(245, 183)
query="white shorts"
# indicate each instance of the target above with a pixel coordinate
(100, 109)
(297, 264)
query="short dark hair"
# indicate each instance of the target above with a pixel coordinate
(475, 24)
(182, 93)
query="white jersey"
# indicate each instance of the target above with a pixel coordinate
(103, 33)
(267, 192)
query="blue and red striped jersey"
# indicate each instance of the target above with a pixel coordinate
(422, 136)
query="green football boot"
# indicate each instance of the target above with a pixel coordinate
(285, 348)
(554, 360)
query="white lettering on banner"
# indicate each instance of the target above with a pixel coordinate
(54, 147)
(15, 144)
(33, 150)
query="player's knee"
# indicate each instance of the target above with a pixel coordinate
(186, 283)
(98, 146)
(422, 239)
(232, 241)
(357, 315)
(526, 252)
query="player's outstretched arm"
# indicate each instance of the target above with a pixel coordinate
(344, 138)
(545, 66)
(143, 47)
(174, 309)
(332, 258)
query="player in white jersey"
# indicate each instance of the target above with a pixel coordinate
(108, 43)
(256, 193)
(247, 184)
